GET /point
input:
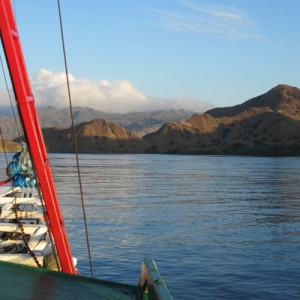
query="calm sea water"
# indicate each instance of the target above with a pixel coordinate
(218, 227)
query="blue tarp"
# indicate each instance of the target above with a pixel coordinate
(20, 169)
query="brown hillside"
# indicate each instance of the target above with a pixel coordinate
(139, 122)
(10, 146)
(206, 123)
(174, 137)
(265, 125)
(282, 98)
(98, 136)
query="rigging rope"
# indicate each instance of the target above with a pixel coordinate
(74, 136)
(22, 136)
(11, 104)
(10, 179)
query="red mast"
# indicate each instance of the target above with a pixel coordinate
(26, 106)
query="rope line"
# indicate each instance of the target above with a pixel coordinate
(74, 137)
(21, 134)
(25, 240)
(11, 104)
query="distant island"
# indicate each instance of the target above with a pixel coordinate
(267, 125)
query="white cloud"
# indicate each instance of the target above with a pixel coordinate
(50, 89)
(225, 21)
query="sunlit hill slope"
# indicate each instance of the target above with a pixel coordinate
(268, 124)
(265, 125)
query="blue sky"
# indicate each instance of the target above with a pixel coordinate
(126, 55)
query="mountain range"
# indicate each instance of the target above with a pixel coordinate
(268, 124)
(139, 122)
(264, 125)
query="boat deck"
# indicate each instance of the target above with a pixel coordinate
(23, 282)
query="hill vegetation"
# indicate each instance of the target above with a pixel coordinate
(268, 124)
(139, 122)
(97, 136)
(265, 125)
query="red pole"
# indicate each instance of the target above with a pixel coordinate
(4, 182)
(25, 102)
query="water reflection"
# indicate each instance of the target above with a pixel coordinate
(215, 222)
(219, 227)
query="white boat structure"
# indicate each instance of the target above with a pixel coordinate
(7, 194)
(24, 235)
(14, 249)
(24, 210)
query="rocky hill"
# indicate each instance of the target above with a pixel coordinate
(282, 98)
(97, 136)
(265, 125)
(140, 122)
(10, 146)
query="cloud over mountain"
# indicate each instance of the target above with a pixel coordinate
(119, 96)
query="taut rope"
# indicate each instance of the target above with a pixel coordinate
(74, 136)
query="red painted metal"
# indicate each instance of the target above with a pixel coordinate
(26, 106)
(4, 182)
